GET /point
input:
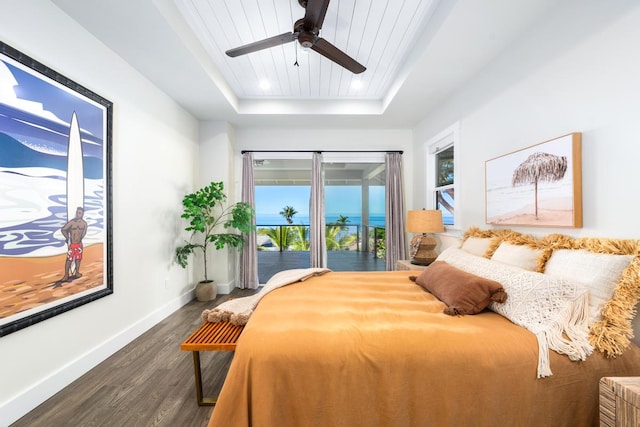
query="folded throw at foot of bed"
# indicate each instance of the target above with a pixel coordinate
(238, 311)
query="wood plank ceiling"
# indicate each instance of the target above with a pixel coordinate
(378, 34)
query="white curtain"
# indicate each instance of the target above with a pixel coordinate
(249, 255)
(318, 249)
(394, 209)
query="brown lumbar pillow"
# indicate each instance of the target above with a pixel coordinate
(464, 293)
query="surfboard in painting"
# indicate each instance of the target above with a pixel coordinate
(75, 170)
(75, 174)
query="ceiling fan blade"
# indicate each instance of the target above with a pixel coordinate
(328, 50)
(262, 44)
(315, 13)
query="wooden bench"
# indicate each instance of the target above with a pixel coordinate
(210, 337)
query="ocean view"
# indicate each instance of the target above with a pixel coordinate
(339, 200)
(275, 219)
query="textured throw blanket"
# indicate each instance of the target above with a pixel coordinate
(238, 311)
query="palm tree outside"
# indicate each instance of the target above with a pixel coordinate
(337, 236)
(280, 237)
(300, 240)
(288, 212)
(296, 237)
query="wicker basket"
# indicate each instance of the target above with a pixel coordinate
(620, 401)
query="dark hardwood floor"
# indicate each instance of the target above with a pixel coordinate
(270, 262)
(149, 382)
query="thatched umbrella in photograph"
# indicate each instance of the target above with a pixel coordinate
(539, 167)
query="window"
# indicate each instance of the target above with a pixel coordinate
(444, 190)
(441, 172)
(354, 187)
(354, 190)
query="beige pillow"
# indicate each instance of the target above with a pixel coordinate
(521, 256)
(476, 245)
(600, 273)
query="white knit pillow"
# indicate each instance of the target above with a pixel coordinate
(599, 273)
(545, 305)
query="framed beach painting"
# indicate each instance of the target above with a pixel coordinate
(55, 193)
(539, 185)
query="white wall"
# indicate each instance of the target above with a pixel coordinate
(216, 164)
(155, 147)
(577, 71)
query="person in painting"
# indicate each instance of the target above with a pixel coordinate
(73, 232)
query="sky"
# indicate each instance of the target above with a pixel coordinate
(339, 200)
(26, 89)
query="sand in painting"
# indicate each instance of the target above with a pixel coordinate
(26, 283)
(547, 218)
(551, 212)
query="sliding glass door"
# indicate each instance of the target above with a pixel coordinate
(355, 218)
(354, 212)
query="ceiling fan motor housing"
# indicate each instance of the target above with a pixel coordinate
(306, 39)
(306, 36)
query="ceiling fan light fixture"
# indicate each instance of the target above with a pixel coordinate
(302, 49)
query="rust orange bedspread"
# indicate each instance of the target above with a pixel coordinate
(374, 349)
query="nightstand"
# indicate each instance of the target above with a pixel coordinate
(405, 264)
(619, 401)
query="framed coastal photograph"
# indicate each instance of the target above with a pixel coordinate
(539, 185)
(55, 198)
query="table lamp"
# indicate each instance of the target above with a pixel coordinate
(422, 246)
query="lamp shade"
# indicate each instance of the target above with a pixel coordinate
(424, 221)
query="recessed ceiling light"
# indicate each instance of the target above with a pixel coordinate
(356, 84)
(264, 84)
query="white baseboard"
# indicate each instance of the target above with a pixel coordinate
(21, 404)
(225, 288)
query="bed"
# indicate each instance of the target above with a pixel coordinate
(376, 349)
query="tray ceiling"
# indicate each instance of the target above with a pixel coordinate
(378, 34)
(417, 54)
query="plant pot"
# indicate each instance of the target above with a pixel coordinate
(206, 290)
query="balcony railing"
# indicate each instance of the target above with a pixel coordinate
(339, 237)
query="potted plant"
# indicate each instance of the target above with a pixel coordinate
(207, 218)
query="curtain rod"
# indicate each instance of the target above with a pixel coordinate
(321, 151)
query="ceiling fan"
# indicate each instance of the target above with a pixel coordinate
(306, 31)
